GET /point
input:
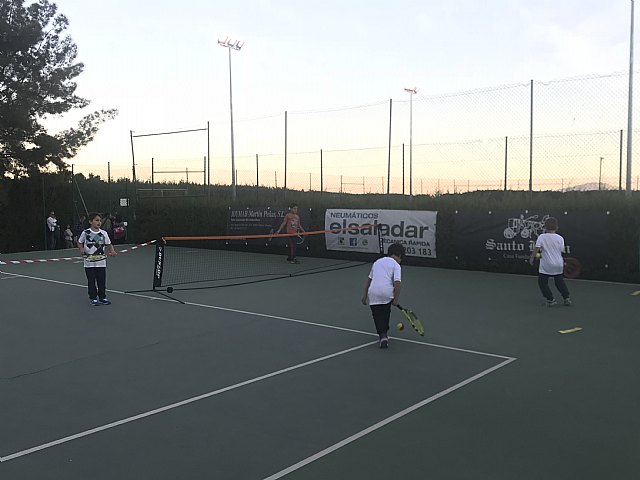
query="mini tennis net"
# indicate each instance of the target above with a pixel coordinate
(198, 262)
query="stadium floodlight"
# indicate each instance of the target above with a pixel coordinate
(412, 91)
(231, 45)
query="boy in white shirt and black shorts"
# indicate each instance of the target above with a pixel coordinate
(382, 290)
(550, 247)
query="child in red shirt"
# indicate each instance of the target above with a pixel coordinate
(292, 224)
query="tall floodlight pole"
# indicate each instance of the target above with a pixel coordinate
(412, 91)
(630, 109)
(231, 45)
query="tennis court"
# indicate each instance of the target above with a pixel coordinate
(283, 379)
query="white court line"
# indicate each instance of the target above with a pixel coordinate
(265, 315)
(382, 423)
(298, 465)
(179, 404)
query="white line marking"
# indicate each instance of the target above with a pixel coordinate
(265, 315)
(382, 423)
(298, 465)
(178, 404)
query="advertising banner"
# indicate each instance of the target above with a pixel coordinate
(414, 229)
(509, 236)
(260, 221)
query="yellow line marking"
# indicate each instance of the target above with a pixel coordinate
(570, 330)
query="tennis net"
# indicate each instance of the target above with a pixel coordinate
(195, 262)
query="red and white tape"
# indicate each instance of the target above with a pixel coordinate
(62, 259)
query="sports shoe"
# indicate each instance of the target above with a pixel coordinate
(105, 301)
(384, 342)
(567, 302)
(94, 302)
(551, 303)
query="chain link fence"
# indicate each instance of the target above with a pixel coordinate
(560, 135)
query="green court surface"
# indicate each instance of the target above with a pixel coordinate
(284, 379)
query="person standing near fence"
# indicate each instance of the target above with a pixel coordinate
(82, 224)
(107, 225)
(52, 230)
(68, 237)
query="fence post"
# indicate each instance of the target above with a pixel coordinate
(531, 141)
(620, 174)
(506, 147)
(403, 169)
(321, 174)
(285, 154)
(389, 154)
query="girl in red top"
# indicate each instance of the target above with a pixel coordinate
(292, 223)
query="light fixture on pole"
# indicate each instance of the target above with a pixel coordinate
(412, 91)
(231, 45)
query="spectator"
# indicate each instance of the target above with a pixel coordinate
(68, 237)
(107, 224)
(119, 230)
(80, 227)
(52, 230)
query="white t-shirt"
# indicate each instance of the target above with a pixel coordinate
(94, 243)
(384, 272)
(551, 246)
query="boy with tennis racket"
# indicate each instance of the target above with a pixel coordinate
(382, 290)
(549, 249)
(92, 244)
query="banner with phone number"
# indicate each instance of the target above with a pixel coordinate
(415, 229)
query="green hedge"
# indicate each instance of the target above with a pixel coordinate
(24, 205)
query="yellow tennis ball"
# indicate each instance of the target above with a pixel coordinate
(400, 326)
(538, 255)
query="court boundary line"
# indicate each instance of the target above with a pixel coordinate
(267, 315)
(382, 423)
(181, 403)
(308, 460)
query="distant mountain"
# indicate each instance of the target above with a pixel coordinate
(586, 187)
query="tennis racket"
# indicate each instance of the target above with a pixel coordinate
(412, 319)
(572, 267)
(96, 257)
(271, 232)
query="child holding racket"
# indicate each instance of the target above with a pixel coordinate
(292, 225)
(550, 247)
(382, 290)
(92, 243)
